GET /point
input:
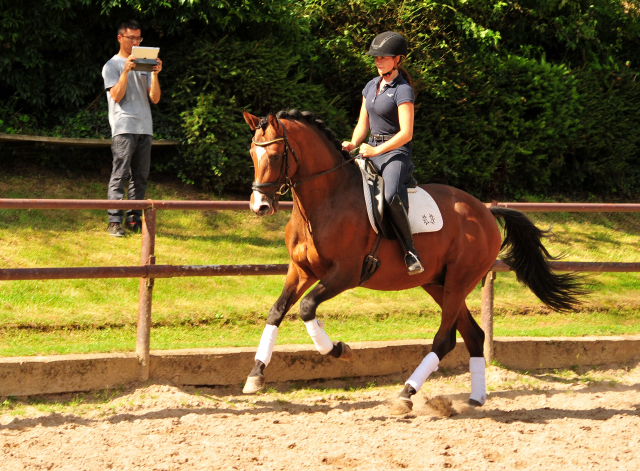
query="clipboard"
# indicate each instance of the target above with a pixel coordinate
(145, 58)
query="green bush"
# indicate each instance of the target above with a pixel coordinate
(513, 99)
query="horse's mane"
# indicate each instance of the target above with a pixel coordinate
(309, 117)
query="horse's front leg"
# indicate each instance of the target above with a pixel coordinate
(333, 283)
(296, 283)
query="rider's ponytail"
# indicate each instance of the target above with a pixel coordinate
(405, 74)
(402, 71)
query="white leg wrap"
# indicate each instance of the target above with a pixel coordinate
(267, 342)
(478, 383)
(422, 372)
(320, 338)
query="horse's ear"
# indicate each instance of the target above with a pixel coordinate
(273, 121)
(251, 120)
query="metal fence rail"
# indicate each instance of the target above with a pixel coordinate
(147, 271)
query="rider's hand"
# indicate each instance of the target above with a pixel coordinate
(348, 146)
(367, 151)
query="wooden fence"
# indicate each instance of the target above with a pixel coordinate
(148, 270)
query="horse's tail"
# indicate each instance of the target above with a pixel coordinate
(528, 258)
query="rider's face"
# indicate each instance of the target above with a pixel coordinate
(384, 64)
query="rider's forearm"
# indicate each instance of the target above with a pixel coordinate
(360, 134)
(396, 141)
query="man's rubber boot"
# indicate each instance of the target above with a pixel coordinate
(400, 222)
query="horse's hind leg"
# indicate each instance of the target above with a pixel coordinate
(473, 337)
(452, 303)
(444, 341)
(296, 283)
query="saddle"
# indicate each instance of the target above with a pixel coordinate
(375, 196)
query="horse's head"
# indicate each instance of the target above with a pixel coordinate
(273, 165)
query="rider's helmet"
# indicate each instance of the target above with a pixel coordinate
(388, 44)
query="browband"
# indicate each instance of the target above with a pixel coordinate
(266, 143)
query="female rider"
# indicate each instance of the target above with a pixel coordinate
(387, 112)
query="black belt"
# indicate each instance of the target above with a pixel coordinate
(381, 137)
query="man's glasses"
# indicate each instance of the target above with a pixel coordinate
(134, 38)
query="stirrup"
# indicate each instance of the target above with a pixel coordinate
(414, 266)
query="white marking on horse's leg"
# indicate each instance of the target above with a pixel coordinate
(477, 368)
(258, 200)
(260, 151)
(320, 338)
(267, 342)
(422, 372)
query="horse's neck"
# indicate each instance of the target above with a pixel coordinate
(314, 196)
(316, 158)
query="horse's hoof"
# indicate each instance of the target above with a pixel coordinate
(253, 384)
(476, 403)
(347, 354)
(401, 406)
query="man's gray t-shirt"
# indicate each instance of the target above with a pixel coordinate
(133, 114)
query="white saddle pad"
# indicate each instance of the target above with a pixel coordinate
(424, 214)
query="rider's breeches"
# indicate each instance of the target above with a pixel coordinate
(395, 173)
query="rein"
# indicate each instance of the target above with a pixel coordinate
(288, 184)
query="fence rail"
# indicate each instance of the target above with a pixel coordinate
(72, 141)
(147, 271)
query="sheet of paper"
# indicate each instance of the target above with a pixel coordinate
(145, 52)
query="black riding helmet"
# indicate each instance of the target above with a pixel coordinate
(388, 44)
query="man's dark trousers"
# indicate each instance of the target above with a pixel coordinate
(131, 163)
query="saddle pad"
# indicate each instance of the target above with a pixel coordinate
(424, 214)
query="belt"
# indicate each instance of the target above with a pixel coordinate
(381, 137)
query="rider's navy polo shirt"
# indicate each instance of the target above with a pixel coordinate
(383, 111)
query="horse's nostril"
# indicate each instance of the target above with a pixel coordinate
(264, 208)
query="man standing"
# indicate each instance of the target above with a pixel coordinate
(128, 95)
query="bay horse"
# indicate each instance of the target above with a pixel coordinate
(329, 236)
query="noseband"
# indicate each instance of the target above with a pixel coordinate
(284, 183)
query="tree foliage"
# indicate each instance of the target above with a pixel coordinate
(512, 98)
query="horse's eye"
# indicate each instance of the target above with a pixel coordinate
(276, 157)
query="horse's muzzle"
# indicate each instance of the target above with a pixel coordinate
(262, 205)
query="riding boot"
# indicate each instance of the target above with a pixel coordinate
(400, 222)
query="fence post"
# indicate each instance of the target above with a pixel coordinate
(487, 314)
(487, 309)
(145, 291)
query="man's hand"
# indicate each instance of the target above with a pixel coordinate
(130, 64)
(157, 68)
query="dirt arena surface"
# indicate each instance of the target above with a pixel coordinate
(551, 420)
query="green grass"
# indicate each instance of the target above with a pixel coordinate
(73, 316)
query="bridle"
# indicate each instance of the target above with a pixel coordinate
(284, 182)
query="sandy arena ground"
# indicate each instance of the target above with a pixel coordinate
(552, 420)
